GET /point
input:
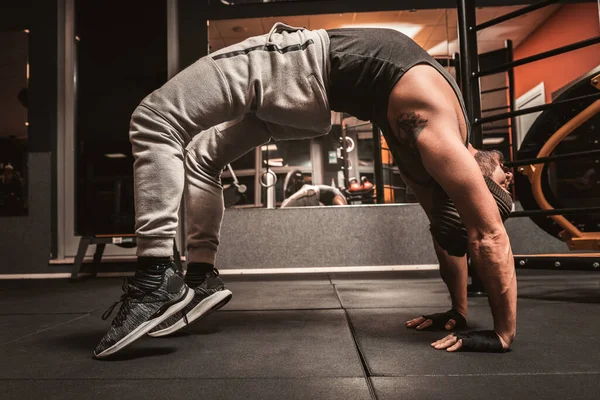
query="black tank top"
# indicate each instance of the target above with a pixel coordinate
(366, 63)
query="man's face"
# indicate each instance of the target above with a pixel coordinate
(502, 176)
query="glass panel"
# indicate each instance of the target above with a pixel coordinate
(14, 81)
(121, 58)
(287, 153)
(238, 197)
(245, 162)
(279, 187)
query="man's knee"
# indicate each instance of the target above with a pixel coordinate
(200, 155)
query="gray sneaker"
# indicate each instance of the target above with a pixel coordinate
(141, 311)
(209, 296)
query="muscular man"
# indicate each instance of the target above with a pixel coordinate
(315, 195)
(283, 85)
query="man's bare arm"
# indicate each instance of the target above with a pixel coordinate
(454, 273)
(455, 169)
(453, 270)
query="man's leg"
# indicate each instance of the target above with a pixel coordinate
(161, 127)
(206, 157)
(282, 87)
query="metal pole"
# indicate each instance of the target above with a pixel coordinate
(540, 56)
(494, 90)
(556, 211)
(456, 65)
(469, 63)
(514, 14)
(494, 109)
(377, 165)
(543, 107)
(511, 102)
(344, 154)
(559, 157)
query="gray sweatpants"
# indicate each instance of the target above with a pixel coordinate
(213, 112)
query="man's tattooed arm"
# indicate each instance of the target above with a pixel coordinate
(410, 125)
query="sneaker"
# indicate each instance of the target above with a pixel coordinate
(141, 311)
(209, 296)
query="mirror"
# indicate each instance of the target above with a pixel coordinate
(347, 160)
(14, 77)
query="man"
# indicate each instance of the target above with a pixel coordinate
(283, 85)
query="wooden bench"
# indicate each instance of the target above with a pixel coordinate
(101, 241)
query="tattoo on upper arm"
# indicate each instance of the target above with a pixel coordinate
(410, 125)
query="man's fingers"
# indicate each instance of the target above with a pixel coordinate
(450, 325)
(445, 342)
(456, 346)
(415, 322)
(425, 324)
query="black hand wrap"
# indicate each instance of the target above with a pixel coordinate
(441, 319)
(483, 341)
(446, 225)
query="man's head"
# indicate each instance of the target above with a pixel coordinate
(491, 163)
(446, 225)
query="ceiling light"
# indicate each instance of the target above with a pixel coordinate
(444, 48)
(115, 155)
(410, 30)
(276, 162)
(493, 141)
(269, 147)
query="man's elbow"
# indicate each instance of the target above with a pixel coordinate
(488, 239)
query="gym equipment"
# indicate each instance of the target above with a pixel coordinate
(359, 192)
(571, 176)
(268, 180)
(294, 180)
(233, 193)
(573, 118)
(365, 183)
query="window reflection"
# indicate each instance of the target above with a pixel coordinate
(14, 81)
(121, 58)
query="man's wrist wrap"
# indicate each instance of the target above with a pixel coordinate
(483, 341)
(439, 320)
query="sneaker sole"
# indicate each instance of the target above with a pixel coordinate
(202, 309)
(148, 325)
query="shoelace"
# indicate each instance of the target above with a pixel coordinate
(130, 292)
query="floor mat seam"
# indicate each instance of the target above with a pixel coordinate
(362, 358)
(44, 330)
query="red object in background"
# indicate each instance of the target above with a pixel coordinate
(355, 186)
(366, 184)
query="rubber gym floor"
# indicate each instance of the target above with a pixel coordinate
(325, 336)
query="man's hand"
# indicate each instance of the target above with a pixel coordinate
(482, 341)
(447, 320)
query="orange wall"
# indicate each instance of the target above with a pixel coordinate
(571, 23)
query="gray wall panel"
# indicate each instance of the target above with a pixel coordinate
(347, 236)
(325, 236)
(528, 238)
(25, 241)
